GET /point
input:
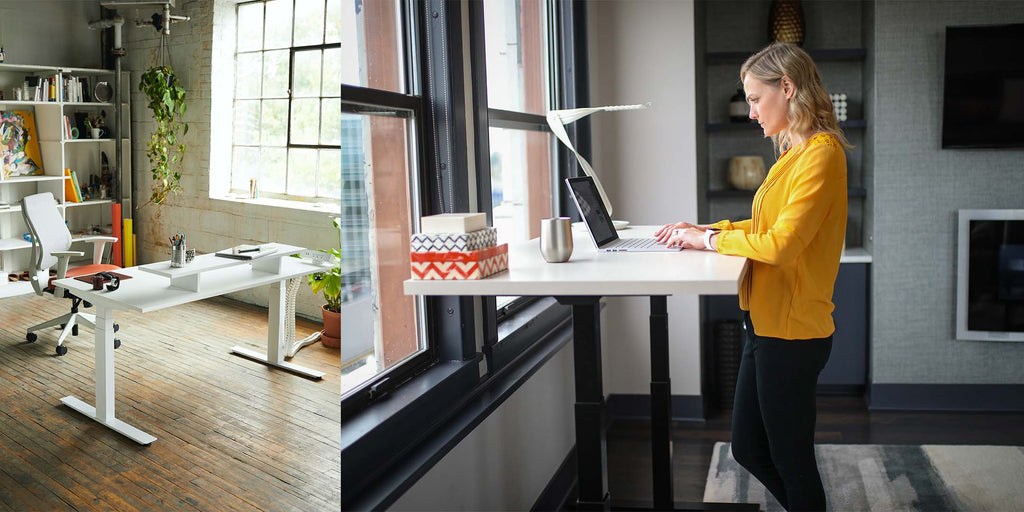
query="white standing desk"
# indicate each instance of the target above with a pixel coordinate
(149, 291)
(580, 283)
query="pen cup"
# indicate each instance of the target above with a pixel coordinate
(177, 257)
(556, 239)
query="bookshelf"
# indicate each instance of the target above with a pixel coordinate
(61, 148)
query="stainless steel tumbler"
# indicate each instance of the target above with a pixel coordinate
(556, 239)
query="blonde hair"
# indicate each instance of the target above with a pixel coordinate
(810, 108)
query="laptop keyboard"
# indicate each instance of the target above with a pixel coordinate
(632, 243)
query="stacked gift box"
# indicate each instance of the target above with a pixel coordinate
(457, 246)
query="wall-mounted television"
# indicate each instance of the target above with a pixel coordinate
(990, 275)
(983, 93)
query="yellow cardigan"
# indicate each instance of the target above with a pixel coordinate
(794, 240)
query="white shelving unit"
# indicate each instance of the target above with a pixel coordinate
(58, 152)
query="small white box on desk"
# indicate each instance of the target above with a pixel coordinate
(453, 223)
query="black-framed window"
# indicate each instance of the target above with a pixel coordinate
(385, 142)
(285, 141)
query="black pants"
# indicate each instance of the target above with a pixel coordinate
(774, 413)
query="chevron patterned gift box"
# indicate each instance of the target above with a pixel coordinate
(459, 265)
(449, 242)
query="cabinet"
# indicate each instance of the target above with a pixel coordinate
(92, 159)
(838, 38)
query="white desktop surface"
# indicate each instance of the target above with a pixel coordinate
(147, 291)
(589, 272)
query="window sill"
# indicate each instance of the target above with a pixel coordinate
(325, 207)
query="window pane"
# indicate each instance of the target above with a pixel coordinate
(332, 72)
(520, 185)
(305, 121)
(250, 26)
(274, 123)
(333, 21)
(278, 33)
(247, 122)
(329, 174)
(371, 53)
(272, 170)
(382, 326)
(302, 172)
(306, 81)
(245, 165)
(248, 65)
(309, 22)
(275, 74)
(516, 48)
(330, 124)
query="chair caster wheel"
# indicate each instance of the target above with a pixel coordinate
(30, 337)
(61, 350)
(74, 330)
(86, 304)
(116, 327)
(117, 343)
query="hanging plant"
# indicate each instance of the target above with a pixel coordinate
(165, 148)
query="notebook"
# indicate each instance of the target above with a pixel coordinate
(595, 216)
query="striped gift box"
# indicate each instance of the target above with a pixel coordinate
(452, 242)
(459, 265)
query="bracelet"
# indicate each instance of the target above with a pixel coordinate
(707, 238)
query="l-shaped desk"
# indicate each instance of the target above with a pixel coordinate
(581, 283)
(158, 286)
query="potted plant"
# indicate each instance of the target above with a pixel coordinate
(165, 148)
(328, 283)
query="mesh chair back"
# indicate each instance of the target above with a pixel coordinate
(49, 233)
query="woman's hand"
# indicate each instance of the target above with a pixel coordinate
(687, 238)
(665, 232)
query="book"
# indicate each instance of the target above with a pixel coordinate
(78, 186)
(453, 223)
(69, 188)
(19, 144)
(446, 242)
(247, 252)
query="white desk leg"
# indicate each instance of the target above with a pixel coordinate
(275, 338)
(104, 410)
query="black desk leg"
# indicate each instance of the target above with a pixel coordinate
(591, 450)
(661, 406)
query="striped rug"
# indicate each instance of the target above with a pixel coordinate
(859, 477)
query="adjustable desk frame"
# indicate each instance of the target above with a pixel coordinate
(530, 276)
(149, 290)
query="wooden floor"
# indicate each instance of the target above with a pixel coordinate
(231, 434)
(840, 420)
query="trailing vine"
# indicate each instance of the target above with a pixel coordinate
(165, 149)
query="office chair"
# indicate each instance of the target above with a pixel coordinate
(51, 241)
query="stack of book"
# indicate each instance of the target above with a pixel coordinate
(457, 246)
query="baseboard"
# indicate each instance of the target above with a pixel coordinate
(555, 494)
(684, 407)
(947, 397)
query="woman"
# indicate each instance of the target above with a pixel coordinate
(793, 240)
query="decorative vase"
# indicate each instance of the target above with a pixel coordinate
(786, 22)
(331, 335)
(738, 108)
(746, 172)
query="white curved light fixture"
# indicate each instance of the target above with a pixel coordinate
(557, 119)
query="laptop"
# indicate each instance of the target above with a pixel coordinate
(588, 201)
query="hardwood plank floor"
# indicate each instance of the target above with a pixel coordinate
(840, 420)
(232, 434)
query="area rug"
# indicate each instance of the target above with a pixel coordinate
(862, 477)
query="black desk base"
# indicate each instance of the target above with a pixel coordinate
(591, 447)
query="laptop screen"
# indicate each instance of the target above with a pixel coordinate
(584, 191)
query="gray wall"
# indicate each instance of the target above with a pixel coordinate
(917, 190)
(49, 33)
(643, 51)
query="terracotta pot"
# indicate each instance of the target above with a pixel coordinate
(331, 335)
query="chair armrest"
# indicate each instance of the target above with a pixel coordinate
(99, 244)
(63, 257)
